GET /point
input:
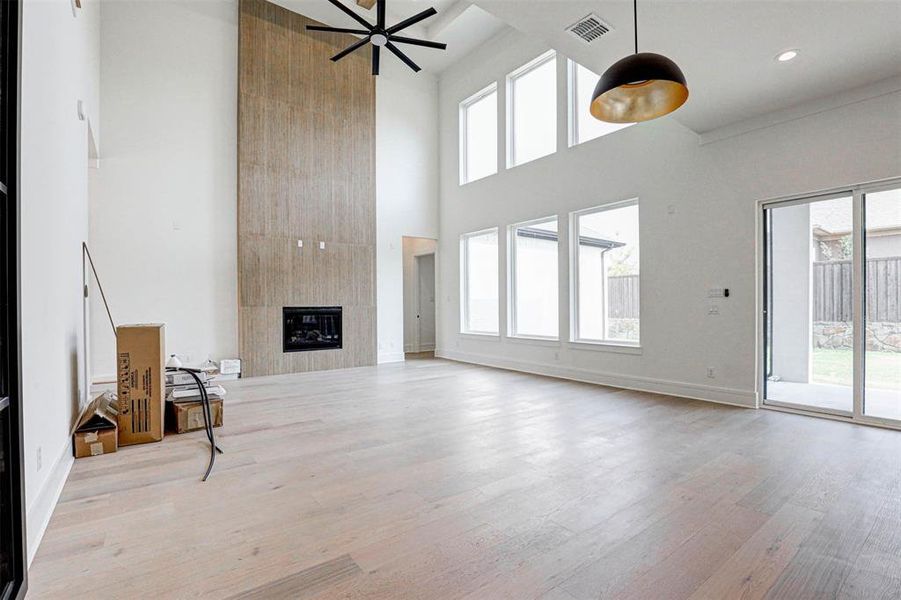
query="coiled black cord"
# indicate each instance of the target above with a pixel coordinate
(207, 416)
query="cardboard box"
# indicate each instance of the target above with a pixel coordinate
(141, 354)
(182, 417)
(96, 432)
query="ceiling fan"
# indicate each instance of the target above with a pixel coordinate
(380, 35)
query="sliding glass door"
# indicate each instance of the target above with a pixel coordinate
(810, 311)
(832, 303)
(882, 307)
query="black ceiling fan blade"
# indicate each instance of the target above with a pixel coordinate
(355, 46)
(352, 14)
(336, 29)
(412, 20)
(406, 59)
(415, 42)
(376, 52)
(380, 13)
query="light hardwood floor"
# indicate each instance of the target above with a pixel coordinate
(441, 480)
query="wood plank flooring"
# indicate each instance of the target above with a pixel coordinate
(434, 480)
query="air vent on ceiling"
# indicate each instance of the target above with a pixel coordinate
(589, 28)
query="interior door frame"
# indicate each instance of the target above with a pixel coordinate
(418, 299)
(857, 193)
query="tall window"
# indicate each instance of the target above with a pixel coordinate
(606, 274)
(478, 135)
(479, 283)
(533, 270)
(583, 126)
(532, 110)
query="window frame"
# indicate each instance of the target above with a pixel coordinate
(572, 107)
(539, 61)
(464, 282)
(463, 136)
(511, 280)
(574, 337)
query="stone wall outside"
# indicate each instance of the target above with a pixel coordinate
(884, 336)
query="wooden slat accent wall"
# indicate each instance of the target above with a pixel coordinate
(306, 171)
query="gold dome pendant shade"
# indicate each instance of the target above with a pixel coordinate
(639, 87)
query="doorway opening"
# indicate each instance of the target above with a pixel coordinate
(419, 297)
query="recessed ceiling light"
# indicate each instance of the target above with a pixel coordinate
(787, 55)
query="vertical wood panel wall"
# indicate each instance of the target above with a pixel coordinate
(306, 171)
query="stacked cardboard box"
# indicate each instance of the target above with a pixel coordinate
(182, 417)
(96, 432)
(141, 354)
(184, 410)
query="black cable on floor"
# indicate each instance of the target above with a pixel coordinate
(207, 416)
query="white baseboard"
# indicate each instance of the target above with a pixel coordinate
(693, 391)
(422, 348)
(38, 514)
(390, 357)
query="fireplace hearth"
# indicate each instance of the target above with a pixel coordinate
(311, 328)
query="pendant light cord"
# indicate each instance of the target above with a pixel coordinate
(635, 21)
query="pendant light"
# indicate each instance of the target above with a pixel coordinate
(639, 87)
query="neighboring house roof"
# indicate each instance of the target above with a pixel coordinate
(584, 240)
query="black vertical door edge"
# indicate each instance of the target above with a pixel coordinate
(12, 530)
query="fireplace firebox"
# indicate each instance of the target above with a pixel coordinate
(311, 328)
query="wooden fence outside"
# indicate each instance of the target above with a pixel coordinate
(622, 301)
(832, 290)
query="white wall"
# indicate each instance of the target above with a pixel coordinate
(59, 67)
(406, 188)
(698, 216)
(164, 201)
(166, 189)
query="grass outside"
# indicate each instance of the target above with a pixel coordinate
(883, 369)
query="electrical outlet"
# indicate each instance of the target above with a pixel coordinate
(40, 459)
(711, 373)
(713, 309)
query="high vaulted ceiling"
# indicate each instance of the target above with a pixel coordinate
(459, 23)
(726, 48)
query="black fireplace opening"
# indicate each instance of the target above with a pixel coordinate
(311, 328)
